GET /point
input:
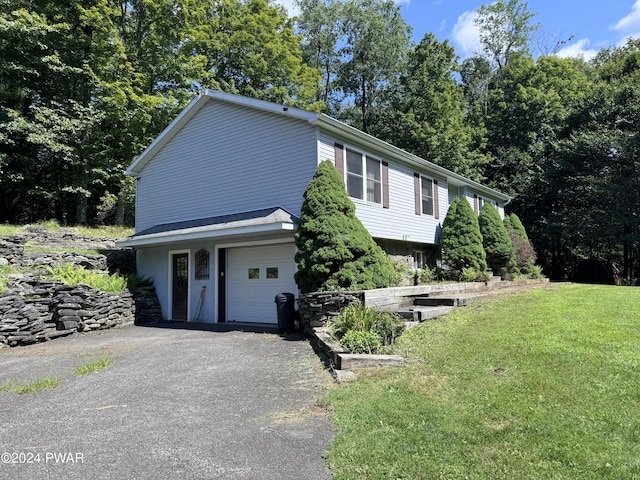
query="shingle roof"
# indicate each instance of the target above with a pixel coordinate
(255, 217)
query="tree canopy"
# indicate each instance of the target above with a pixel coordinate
(86, 86)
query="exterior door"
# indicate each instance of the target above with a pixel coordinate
(180, 286)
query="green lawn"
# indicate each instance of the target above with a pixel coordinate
(543, 384)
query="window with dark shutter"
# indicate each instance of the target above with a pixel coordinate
(355, 174)
(427, 196)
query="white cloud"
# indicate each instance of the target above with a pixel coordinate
(578, 50)
(466, 34)
(630, 23)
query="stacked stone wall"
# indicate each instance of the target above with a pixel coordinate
(315, 309)
(35, 308)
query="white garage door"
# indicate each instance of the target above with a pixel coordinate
(255, 275)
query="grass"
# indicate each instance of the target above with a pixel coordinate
(45, 383)
(540, 385)
(105, 231)
(4, 271)
(95, 365)
(47, 249)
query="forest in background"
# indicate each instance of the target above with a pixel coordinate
(86, 85)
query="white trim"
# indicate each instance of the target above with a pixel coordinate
(364, 156)
(170, 283)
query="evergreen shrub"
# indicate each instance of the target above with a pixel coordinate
(461, 240)
(335, 251)
(500, 250)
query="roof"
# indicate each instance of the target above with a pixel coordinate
(243, 223)
(327, 123)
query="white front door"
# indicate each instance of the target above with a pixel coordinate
(255, 275)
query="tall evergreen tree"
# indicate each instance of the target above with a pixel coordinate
(461, 240)
(496, 242)
(334, 249)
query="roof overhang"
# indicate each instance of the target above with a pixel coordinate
(247, 224)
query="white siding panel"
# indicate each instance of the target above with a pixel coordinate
(326, 149)
(399, 221)
(227, 159)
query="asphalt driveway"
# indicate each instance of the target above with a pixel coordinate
(175, 404)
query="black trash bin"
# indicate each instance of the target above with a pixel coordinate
(285, 304)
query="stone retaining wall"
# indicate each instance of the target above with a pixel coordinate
(315, 309)
(52, 310)
(36, 309)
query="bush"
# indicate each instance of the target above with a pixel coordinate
(335, 251)
(431, 274)
(472, 275)
(461, 240)
(357, 326)
(513, 224)
(360, 342)
(69, 274)
(501, 253)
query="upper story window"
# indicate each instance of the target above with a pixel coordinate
(354, 174)
(427, 196)
(374, 181)
(425, 192)
(364, 177)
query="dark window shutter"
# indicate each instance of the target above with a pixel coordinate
(339, 158)
(436, 202)
(385, 185)
(417, 193)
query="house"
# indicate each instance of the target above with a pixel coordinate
(219, 194)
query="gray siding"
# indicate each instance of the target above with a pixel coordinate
(399, 221)
(227, 159)
(326, 149)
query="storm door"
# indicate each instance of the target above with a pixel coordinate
(180, 286)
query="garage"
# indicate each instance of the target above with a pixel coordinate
(255, 275)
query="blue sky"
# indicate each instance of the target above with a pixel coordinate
(590, 24)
